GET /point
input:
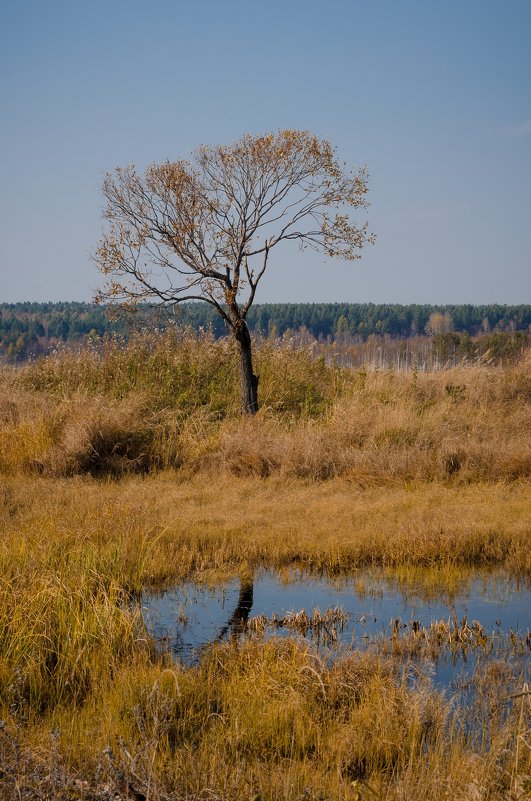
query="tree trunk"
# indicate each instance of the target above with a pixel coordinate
(239, 618)
(248, 380)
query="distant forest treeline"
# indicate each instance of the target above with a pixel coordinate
(29, 329)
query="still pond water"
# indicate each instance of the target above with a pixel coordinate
(375, 608)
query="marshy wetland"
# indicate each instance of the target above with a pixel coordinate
(365, 539)
(445, 632)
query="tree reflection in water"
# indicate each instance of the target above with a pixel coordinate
(238, 620)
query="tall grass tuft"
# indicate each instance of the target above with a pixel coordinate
(60, 640)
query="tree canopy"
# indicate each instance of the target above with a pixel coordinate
(204, 229)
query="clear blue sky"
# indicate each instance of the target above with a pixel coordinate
(434, 97)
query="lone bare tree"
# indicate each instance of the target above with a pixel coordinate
(204, 229)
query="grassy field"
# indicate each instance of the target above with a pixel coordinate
(168, 402)
(123, 468)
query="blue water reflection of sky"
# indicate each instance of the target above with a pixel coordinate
(192, 616)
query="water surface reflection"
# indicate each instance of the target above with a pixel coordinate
(376, 607)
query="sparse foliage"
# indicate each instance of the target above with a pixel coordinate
(204, 229)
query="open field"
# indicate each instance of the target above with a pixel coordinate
(132, 468)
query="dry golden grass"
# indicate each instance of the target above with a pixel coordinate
(273, 719)
(166, 404)
(412, 472)
(147, 531)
